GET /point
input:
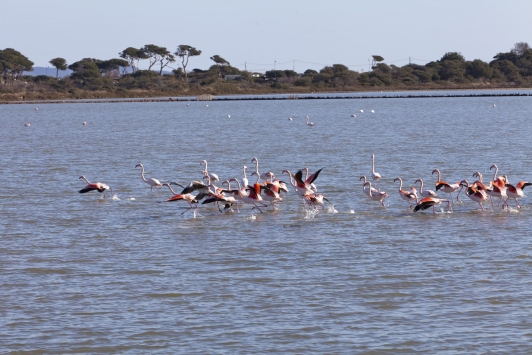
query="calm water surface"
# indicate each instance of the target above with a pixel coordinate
(130, 275)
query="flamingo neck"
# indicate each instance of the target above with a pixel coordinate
(292, 181)
(142, 173)
(170, 187)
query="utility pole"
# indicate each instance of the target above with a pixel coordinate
(369, 66)
(275, 70)
(409, 62)
(294, 65)
(246, 66)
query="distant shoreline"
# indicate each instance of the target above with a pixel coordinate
(278, 96)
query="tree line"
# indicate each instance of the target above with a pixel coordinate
(122, 74)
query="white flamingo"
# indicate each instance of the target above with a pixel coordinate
(425, 193)
(378, 196)
(151, 181)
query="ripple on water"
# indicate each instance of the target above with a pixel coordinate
(127, 274)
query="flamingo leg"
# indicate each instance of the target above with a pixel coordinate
(505, 202)
(491, 203)
(257, 207)
(187, 209)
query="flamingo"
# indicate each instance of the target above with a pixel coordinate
(151, 181)
(378, 196)
(27, 124)
(366, 188)
(376, 175)
(240, 193)
(259, 176)
(98, 186)
(486, 189)
(234, 195)
(281, 185)
(307, 184)
(405, 195)
(245, 181)
(516, 191)
(253, 197)
(427, 202)
(445, 186)
(191, 199)
(216, 198)
(299, 186)
(476, 194)
(498, 186)
(316, 200)
(199, 186)
(426, 193)
(479, 184)
(213, 177)
(353, 115)
(312, 186)
(310, 123)
(271, 193)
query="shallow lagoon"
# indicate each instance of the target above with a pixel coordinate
(132, 275)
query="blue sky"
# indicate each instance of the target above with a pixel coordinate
(286, 34)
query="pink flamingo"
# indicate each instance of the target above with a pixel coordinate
(428, 202)
(191, 199)
(406, 195)
(97, 186)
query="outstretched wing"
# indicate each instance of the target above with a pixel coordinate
(313, 177)
(90, 187)
(193, 186)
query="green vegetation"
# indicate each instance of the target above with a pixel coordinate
(120, 77)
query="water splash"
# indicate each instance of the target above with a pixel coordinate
(311, 213)
(331, 209)
(115, 197)
(252, 217)
(352, 211)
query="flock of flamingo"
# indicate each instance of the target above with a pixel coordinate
(478, 191)
(267, 190)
